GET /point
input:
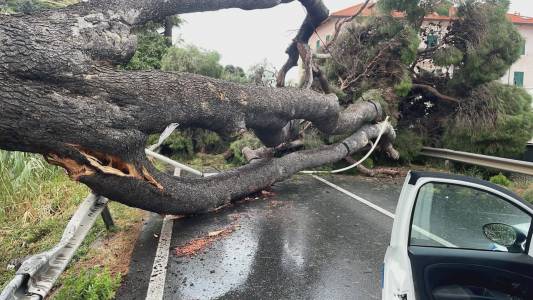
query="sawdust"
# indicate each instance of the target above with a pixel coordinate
(193, 247)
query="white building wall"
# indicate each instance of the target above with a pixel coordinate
(325, 29)
(525, 62)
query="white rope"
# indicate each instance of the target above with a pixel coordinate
(382, 130)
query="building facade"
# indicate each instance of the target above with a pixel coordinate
(520, 73)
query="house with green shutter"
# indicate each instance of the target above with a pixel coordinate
(520, 73)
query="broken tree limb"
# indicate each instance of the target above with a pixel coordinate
(372, 172)
(62, 97)
(435, 92)
(317, 13)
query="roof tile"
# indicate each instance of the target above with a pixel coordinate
(370, 10)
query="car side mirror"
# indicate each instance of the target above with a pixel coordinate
(505, 235)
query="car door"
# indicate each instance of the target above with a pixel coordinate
(457, 237)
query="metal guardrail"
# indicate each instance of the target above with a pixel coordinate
(504, 164)
(173, 162)
(38, 273)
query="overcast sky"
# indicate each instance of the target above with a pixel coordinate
(245, 38)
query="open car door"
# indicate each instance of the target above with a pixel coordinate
(457, 237)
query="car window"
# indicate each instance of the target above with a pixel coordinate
(453, 216)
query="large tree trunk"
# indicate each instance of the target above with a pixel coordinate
(60, 96)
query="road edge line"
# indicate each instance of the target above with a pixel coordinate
(156, 285)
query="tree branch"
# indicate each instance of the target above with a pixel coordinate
(317, 12)
(435, 92)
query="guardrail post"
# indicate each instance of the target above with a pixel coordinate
(108, 219)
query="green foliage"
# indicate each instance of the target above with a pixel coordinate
(409, 45)
(93, 284)
(156, 25)
(247, 140)
(498, 122)
(263, 73)
(206, 141)
(416, 9)
(447, 56)
(186, 143)
(36, 201)
(235, 74)
(411, 7)
(409, 144)
(181, 144)
(30, 6)
(528, 196)
(489, 42)
(403, 88)
(443, 8)
(313, 139)
(374, 53)
(500, 179)
(192, 59)
(22, 170)
(151, 47)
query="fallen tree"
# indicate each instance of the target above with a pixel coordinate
(61, 95)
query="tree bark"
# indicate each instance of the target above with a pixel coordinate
(60, 96)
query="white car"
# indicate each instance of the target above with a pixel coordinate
(457, 237)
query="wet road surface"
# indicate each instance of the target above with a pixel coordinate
(307, 241)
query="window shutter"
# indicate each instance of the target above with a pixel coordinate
(519, 79)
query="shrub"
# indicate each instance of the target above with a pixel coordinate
(497, 120)
(247, 140)
(313, 139)
(151, 47)
(192, 59)
(92, 284)
(177, 144)
(500, 179)
(409, 144)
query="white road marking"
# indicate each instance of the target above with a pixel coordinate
(365, 202)
(156, 286)
(385, 212)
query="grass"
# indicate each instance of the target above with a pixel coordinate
(523, 188)
(36, 202)
(90, 284)
(96, 270)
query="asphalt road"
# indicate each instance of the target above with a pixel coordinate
(306, 241)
